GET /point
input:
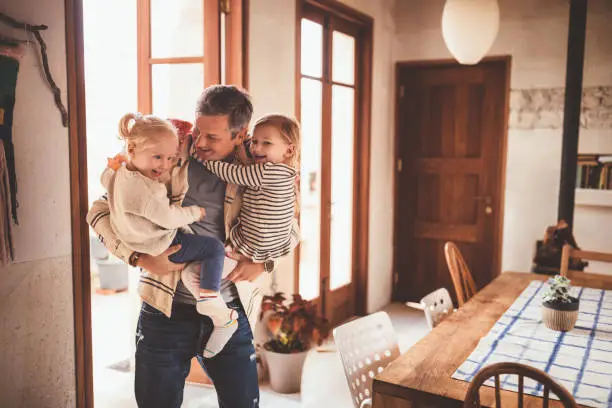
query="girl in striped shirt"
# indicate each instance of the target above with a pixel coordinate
(263, 230)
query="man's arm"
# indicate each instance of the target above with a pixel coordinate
(98, 219)
(249, 270)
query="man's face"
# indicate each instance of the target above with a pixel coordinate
(213, 139)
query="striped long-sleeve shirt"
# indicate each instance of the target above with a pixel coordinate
(264, 227)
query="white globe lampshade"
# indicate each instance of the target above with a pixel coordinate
(469, 28)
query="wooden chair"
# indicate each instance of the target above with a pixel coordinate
(472, 398)
(571, 252)
(465, 287)
(366, 346)
(437, 306)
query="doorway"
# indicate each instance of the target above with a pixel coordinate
(163, 51)
(450, 150)
(333, 101)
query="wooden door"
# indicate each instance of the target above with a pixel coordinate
(451, 138)
(333, 81)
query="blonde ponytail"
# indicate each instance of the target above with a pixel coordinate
(135, 129)
(124, 125)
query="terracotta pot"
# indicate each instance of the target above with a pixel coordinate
(560, 316)
(285, 370)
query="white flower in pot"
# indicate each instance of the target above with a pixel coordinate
(559, 307)
(295, 328)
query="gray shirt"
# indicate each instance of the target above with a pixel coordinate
(208, 191)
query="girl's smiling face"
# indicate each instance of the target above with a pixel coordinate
(154, 159)
(268, 145)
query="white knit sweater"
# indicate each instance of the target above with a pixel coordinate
(141, 214)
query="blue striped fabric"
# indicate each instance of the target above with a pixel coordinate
(580, 360)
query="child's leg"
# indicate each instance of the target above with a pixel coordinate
(210, 252)
(221, 335)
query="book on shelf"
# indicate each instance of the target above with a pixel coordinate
(594, 172)
(605, 159)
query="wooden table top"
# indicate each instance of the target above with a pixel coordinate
(426, 369)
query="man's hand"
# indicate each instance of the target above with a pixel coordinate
(161, 265)
(245, 270)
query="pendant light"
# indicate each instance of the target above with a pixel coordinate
(469, 28)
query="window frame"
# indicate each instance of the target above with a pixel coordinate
(232, 14)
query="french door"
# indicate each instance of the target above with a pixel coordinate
(331, 269)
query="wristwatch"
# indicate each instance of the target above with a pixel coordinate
(269, 266)
(133, 259)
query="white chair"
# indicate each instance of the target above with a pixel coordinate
(437, 306)
(366, 346)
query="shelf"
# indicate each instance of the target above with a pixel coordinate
(593, 198)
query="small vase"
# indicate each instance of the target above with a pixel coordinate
(560, 316)
(285, 370)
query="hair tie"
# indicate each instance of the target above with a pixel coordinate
(138, 116)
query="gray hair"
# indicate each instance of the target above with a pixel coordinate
(219, 100)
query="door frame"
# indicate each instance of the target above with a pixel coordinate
(79, 204)
(506, 60)
(363, 113)
(81, 275)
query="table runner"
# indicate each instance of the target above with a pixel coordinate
(580, 360)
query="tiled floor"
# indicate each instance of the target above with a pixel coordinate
(113, 337)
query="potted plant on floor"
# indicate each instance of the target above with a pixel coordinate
(559, 307)
(295, 328)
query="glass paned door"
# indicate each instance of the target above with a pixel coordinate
(327, 114)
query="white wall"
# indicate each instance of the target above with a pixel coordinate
(534, 33)
(36, 318)
(272, 84)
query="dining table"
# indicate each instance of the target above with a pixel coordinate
(422, 376)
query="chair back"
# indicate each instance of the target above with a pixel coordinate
(464, 284)
(571, 252)
(437, 306)
(366, 346)
(472, 398)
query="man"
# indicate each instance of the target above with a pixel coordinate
(170, 330)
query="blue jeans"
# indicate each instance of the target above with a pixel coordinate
(209, 250)
(165, 347)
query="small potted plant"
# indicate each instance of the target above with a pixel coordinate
(559, 307)
(295, 328)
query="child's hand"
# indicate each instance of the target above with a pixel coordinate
(203, 213)
(116, 162)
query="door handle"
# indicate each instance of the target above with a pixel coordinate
(488, 200)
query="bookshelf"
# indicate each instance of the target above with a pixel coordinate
(594, 180)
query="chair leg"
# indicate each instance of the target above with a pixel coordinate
(565, 259)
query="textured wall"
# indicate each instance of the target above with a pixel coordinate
(542, 108)
(36, 317)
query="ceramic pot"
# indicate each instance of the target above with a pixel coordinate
(560, 316)
(285, 370)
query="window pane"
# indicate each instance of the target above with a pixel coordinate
(310, 188)
(343, 104)
(312, 48)
(343, 62)
(176, 87)
(177, 28)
